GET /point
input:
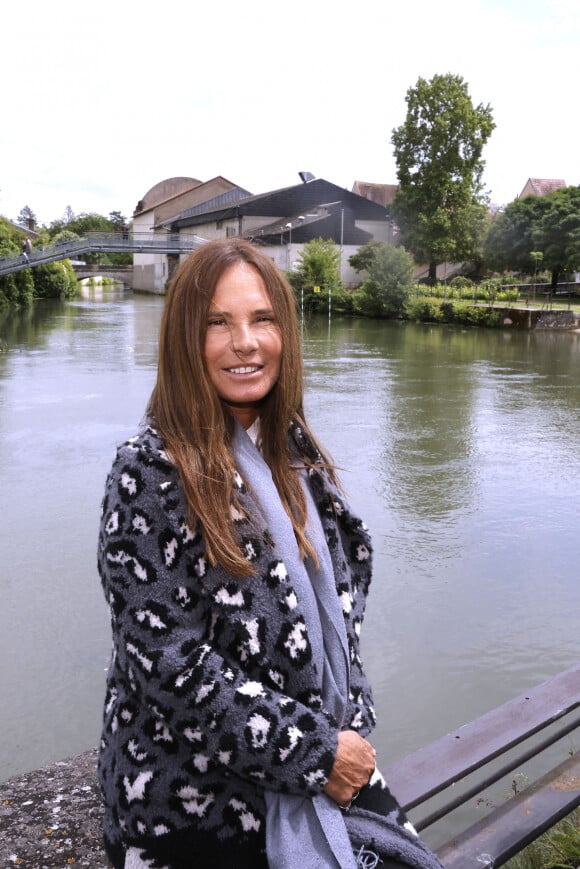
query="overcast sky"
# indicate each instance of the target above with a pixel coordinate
(100, 101)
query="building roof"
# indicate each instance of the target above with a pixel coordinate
(313, 209)
(332, 220)
(382, 194)
(24, 229)
(300, 199)
(541, 186)
(165, 190)
(217, 203)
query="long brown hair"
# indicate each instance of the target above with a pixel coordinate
(195, 425)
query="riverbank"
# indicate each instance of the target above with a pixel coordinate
(51, 818)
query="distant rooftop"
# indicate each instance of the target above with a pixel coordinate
(541, 186)
(382, 194)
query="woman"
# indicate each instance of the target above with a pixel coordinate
(237, 709)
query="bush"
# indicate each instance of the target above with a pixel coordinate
(388, 281)
(318, 266)
(448, 312)
(423, 311)
(488, 317)
(55, 281)
(17, 289)
(460, 282)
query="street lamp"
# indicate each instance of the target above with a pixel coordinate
(288, 252)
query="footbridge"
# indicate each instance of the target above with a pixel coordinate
(102, 242)
(123, 274)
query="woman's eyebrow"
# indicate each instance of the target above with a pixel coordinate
(213, 311)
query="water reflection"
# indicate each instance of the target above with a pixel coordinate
(462, 446)
(459, 448)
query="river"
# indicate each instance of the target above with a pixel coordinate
(458, 447)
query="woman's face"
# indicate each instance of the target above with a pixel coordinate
(243, 345)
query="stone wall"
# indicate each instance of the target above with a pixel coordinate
(558, 320)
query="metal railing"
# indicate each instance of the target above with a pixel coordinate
(105, 242)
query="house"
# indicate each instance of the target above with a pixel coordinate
(541, 186)
(284, 220)
(162, 202)
(383, 194)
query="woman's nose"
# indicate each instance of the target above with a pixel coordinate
(243, 338)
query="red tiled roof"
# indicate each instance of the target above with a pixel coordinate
(542, 186)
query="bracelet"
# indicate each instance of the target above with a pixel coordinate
(347, 806)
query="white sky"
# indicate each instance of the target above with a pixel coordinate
(102, 100)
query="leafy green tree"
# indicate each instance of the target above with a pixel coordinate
(440, 206)
(388, 280)
(85, 223)
(317, 273)
(537, 229)
(27, 217)
(557, 232)
(64, 236)
(365, 256)
(10, 239)
(118, 221)
(55, 280)
(17, 290)
(509, 241)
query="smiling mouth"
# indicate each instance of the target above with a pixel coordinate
(246, 369)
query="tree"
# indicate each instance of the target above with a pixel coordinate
(27, 217)
(84, 223)
(440, 206)
(118, 221)
(55, 281)
(10, 239)
(17, 290)
(509, 241)
(318, 267)
(388, 281)
(534, 229)
(557, 232)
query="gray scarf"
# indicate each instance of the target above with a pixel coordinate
(310, 832)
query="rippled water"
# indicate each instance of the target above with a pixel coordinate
(459, 448)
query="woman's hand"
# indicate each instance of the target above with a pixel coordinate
(353, 766)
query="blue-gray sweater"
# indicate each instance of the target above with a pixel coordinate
(211, 692)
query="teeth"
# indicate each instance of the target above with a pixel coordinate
(247, 370)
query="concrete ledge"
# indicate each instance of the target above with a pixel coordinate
(51, 818)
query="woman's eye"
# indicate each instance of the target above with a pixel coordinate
(216, 321)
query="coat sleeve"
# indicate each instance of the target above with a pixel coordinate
(169, 659)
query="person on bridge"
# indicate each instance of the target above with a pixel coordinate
(26, 249)
(237, 712)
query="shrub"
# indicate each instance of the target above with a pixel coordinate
(318, 266)
(423, 310)
(461, 282)
(447, 312)
(480, 317)
(17, 289)
(55, 281)
(388, 280)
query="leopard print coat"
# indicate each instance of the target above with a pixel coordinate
(211, 691)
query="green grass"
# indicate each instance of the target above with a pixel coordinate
(559, 848)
